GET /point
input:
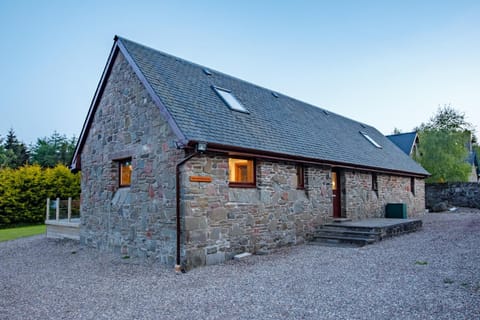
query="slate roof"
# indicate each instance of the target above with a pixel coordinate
(404, 141)
(472, 158)
(276, 123)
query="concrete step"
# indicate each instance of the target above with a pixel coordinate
(332, 243)
(337, 234)
(360, 233)
(345, 230)
(338, 238)
(347, 238)
(339, 226)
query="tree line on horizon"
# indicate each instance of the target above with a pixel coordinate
(46, 152)
(30, 175)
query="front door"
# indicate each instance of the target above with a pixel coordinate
(337, 212)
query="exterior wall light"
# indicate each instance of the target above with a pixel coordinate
(201, 147)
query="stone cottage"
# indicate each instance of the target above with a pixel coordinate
(189, 166)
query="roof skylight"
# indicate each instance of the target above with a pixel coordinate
(370, 139)
(230, 99)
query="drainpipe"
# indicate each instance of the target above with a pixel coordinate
(200, 148)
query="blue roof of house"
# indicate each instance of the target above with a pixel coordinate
(472, 158)
(404, 141)
(275, 123)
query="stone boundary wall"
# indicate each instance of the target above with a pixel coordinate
(459, 194)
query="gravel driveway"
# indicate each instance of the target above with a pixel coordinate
(430, 274)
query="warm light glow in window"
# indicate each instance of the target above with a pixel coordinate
(241, 170)
(334, 180)
(125, 173)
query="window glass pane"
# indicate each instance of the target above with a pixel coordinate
(125, 173)
(241, 170)
(370, 139)
(334, 180)
(230, 100)
(374, 182)
(300, 177)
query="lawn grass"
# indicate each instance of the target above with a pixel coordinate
(20, 232)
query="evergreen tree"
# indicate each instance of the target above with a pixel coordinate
(16, 152)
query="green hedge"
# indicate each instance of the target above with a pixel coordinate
(23, 192)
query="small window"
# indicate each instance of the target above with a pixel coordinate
(374, 182)
(241, 172)
(230, 100)
(125, 169)
(412, 185)
(300, 176)
(370, 139)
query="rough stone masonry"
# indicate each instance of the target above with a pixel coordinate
(218, 221)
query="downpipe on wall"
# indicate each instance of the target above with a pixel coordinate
(201, 147)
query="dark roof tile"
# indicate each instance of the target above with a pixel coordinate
(281, 125)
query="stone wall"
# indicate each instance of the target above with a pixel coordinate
(221, 221)
(139, 220)
(360, 201)
(218, 221)
(460, 194)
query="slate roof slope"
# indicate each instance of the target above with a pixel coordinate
(280, 125)
(472, 158)
(404, 141)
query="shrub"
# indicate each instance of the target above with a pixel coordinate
(23, 192)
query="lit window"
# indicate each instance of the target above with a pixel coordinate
(125, 167)
(241, 171)
(370, 139)
(230, 99)
(300, 177)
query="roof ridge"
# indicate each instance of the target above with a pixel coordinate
(277, 122)
(195, 64)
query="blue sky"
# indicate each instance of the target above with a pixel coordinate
(386, 63)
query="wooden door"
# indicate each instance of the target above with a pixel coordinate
(337, 210)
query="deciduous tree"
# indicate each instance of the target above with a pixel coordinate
(444, 143)
(443, 154)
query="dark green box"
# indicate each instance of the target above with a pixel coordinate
(396, 210)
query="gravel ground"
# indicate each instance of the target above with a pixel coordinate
(430, 274)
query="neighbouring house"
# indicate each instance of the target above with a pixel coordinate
(472, 159)
(190, 166)
(407, 142)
